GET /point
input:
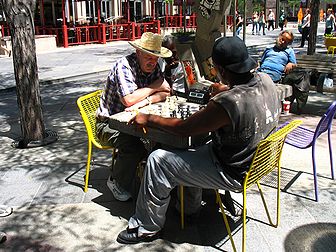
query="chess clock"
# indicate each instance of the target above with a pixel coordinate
(199, 95)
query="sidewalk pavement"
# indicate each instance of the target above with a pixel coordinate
(94, 61)
(52, 213)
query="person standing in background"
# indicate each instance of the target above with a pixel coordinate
(305, 27)
(271, 18)
(329, 22)
(255, 20)
(262, 22)
(239, 23)
(282, 19)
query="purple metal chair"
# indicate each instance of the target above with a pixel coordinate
(304, 138)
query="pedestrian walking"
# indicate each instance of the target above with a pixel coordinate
(270, 18)
(330, 22)
(282, 19)
(262, 22)
(255, 20)
(305, 27)
(239, 24)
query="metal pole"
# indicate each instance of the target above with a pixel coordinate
(244, 23)
(234, 17)
(277, 13)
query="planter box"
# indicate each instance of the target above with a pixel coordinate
(329, 41)
(43, 43)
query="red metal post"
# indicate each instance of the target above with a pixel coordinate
(132, 31)
(64, 27)
(153, 9)
(42, 18)
(102, 29)
(181, 16)
(166, 15)
(128, 11)
(159, 26)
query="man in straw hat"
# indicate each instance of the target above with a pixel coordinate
(243, 109)
(134, 81)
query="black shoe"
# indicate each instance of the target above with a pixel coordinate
(229, 205)
(130, 236)
(3, 237)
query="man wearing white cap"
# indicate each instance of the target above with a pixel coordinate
(133, 82)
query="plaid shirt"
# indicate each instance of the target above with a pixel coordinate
(125, 77)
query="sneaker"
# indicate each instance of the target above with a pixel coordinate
(118, 192)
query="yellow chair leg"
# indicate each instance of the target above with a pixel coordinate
(182, 206)
(219, 200)
(88, 166)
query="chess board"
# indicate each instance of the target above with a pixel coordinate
(173, 107)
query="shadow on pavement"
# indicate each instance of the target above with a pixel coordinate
(322, 237)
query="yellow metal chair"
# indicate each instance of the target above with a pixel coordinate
(88, 105)
(265, 160)
(331, 49)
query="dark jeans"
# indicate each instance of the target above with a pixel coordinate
(131, 151)
(262, 25)
(305, 34)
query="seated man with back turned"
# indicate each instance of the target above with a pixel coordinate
(134, 81)
(238, 117)
(279, 62)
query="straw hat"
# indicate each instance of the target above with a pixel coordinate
(151, 43)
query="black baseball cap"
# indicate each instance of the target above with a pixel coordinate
(231, 53)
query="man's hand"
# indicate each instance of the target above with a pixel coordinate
(289, 67)
(140, 120)
(218, 88)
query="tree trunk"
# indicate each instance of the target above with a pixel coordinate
(314, 19)
(20, 17)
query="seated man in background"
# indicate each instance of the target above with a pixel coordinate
(279, 61)
(134, 81)
(172, 67)
(238, 117)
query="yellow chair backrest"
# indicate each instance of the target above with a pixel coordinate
(267, 155)
(88, 105)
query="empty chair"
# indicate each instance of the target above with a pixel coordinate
(304, 138)
(88, 105)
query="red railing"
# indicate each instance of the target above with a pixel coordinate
(103, 33)
(177, 21)
(116, 32)
(81, 35)
(44, 30)
(5, 31)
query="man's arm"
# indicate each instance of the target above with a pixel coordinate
(208, 119)
(291, 61)
(158, 91)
